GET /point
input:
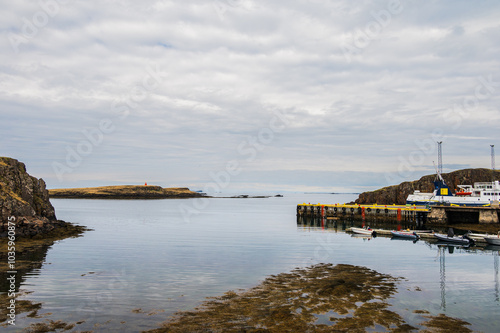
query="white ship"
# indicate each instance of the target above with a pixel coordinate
(481, 194)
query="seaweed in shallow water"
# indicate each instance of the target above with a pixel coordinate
(321, 298)
(292, 302)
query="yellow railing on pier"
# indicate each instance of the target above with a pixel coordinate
(412, 208)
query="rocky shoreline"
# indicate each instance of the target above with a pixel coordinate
(124, 192)
(30, 227)
(25, 208)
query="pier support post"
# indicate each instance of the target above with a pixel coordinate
(438, 215)
(488, 216)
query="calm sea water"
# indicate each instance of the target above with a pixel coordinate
(145, 260)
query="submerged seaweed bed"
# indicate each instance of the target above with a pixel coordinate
(30, 255)
(321, 298)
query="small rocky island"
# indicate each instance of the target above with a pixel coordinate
(124, 192)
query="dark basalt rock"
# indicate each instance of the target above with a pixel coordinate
(24, 200)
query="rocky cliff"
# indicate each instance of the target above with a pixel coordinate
(25, 199)
(397, 194)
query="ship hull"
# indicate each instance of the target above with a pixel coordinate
(449, 202)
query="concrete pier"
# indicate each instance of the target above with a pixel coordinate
(438, 214)
(454, 214)
(368, 212)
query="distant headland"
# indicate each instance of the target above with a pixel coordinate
(124, 192)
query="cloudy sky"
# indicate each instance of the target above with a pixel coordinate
(241, 95)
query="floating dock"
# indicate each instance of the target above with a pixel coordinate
(423, 235)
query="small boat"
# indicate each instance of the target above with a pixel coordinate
(425, 231)
(493, 240)
(362, 231)
(461, 240)
(474, 235)
(405, 234)
(362, 236)
(478, 237)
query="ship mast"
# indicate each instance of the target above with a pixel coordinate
(495, 191)
(493, 159)
(440, 157)
(439, 167)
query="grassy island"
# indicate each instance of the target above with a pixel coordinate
(124, 192)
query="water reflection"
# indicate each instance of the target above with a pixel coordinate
(495, 264)
(29, 259)
(235, 243)
(450, 249)
(346, 222)
(442, 272)
(459, 269)
(30, 256)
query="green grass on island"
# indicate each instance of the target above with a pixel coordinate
(124, 192)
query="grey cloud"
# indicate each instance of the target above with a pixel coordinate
(225, 70)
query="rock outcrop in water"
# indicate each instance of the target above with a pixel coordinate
(25, 199)
(397, 194)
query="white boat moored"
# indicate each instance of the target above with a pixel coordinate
(492, 239)
(362, 231)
